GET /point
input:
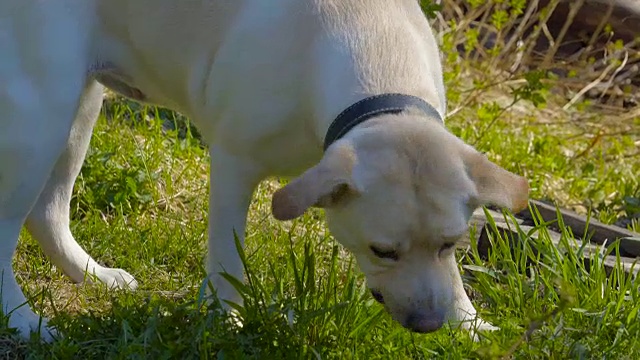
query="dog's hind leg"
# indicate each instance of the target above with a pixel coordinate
(35, 126)
(48, 221)
(46, 51)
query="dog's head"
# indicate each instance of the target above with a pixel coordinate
(398, 192)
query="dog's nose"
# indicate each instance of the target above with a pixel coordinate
(425, 322)
(377, 295)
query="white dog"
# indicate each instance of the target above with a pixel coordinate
(345, 94)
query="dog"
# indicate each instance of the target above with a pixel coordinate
(344, 97)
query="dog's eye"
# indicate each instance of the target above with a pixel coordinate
(447, 246)
(385, 254)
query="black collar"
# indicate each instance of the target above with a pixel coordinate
(373, 106)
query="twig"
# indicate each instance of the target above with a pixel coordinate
(615, 73)
(631, 115)
(589, 86)
(603, 23)
(532, 39)
(573, 11)
(591, 145)
(630, 45)
(519, 33)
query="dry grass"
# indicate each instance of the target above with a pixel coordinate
(598, 58)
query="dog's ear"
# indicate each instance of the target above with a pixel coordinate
(495, 185)
(323, 185)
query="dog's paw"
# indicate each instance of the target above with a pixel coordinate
(478, 326)
(116, 278)
(27, 322)
(482, 325)
(234, 318)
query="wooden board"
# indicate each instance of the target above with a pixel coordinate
(589, 235)
(584, 228)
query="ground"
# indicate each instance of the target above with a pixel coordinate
(141, 205)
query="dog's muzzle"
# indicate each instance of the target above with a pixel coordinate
(425, 323)
(420, 322)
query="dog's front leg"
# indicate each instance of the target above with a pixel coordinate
(232, 182)
(462, 312)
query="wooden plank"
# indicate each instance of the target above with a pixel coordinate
(478, 220)
(629, 265)
(478, 217)
(509, 230)
(594, 230)
(598, 233)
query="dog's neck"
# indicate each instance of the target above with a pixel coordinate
(363, 54)
(375, 106)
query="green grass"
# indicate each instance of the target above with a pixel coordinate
(141, 205)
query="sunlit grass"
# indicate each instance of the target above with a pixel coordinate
(141, 205)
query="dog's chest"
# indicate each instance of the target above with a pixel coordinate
(278, 137)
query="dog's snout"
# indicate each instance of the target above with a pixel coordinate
(425, 322)
(377, 295)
